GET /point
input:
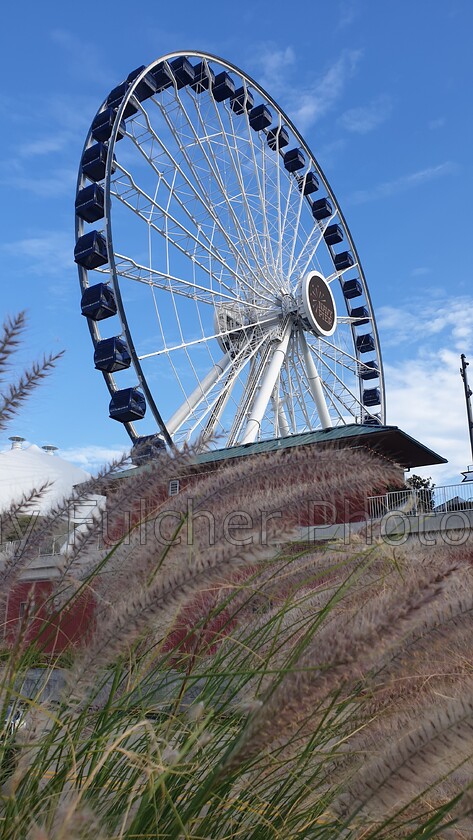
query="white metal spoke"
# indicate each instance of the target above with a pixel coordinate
(199, 393)
(243, 241)
(239, 362)
(176, 285)
(233, 155)
(175, 222)
(202, 197)
(265, 322)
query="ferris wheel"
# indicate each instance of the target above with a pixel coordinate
(223, 291)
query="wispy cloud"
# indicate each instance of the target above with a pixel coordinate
(403, 183)
(349, 10)
(305, 100)
(448, 320)
(57, 182)
(48, 252)
(92, 457)
(42, 146)
(84, 59)
(314, 102)
(273, 64)
(364, 119)
(439, 122)
(420, 271)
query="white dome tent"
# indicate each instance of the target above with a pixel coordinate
(25, 469)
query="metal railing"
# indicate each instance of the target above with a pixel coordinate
(438, 500)
(51, 546)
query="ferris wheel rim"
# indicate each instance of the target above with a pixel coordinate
(283, 119)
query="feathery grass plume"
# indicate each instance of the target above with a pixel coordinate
(339, 656)
(441, 743)
(190, 563)
(147, 730)
(10, 338)
(18, 392)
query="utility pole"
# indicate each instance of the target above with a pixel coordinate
(468, 395)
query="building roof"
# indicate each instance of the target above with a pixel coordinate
(389, 441)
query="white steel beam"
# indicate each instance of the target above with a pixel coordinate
(315, 385)
(199, 393)
(266, 387)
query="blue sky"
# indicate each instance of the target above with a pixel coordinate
(382, 94)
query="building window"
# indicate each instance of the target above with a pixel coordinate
(22, 610)
(173, 488)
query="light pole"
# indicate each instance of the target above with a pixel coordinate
(468, 394)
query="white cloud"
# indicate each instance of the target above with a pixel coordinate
(84, 59)
(348, 12)
(420, 271)
(58, 182)
(42, 146)
(424, 389)
(273, 66)
(364, 119)
(92, 458)
(425, 399)
(49, 252)
(304, 101)
(403, 183)
(313, 103)
(451, 316)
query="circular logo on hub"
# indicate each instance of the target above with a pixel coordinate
(319, 304)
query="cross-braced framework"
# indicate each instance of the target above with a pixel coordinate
(244, 311)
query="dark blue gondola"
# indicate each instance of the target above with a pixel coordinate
(260, 117)
(146, 88)
(321, 209)
(127, 405)
(162, 75)
(369, 370)
(90, 203)
(368, 420)
(294, 160)
(371, 396)
(277, 138)
(145, 448)
(242, 100)
(103, 123)
(91, 250)
(204, 78)
(115, 98)
(333, 235)
(98, 302)
(182, 71)
(111, 354)
(308, 183)
(223, 87)
(361, 314)
(343, 260)
(94, 161)
(352, 289)
(365, 343)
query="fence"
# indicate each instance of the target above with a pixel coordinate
(452, 497)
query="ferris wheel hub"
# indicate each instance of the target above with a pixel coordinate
(317, 307)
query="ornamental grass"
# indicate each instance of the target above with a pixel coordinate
(236, 682)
